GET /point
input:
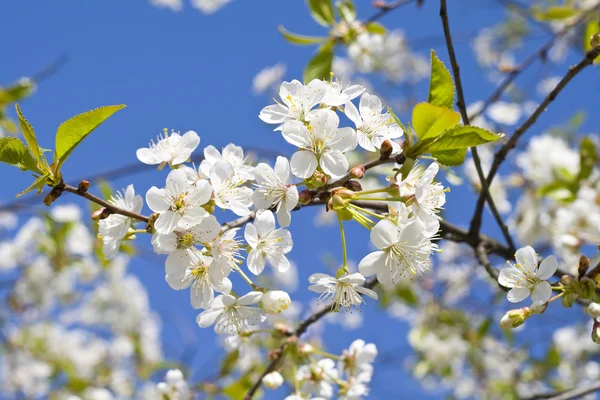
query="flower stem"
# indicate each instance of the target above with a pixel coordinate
(344, 250)
(364, 192)
(377, 198)
(368, 212)
(248, 280)
(558, 296)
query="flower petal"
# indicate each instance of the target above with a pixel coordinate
(547, 268)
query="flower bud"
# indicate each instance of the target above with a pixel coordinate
(594, 310)
(515, 318)
(386, 149)
(83, 187)
(272, 380)
(584, 264)
(569, 299)
(101, 213)
(275, 301)
(353, 185)
(596, 332)
(566, 280)
(357, 172)
(305, 349)
(595, 40)
(304, 197)
(588, 287)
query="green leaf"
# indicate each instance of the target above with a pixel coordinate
(319, 66)
(29, 136)
(229, 362)
(71, 132)
(376, 28)
(450, 158)
(347, 10)
(17, 91)
(554, 13)
(38, 184)
(441, 85)
(321, 11)
(14, 152)
(588, 158)
(461, 137)
(591, 29)
(300, 39)
(429, 121)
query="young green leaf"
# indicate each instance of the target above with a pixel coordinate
(29, 136)
(376, 28)
(319, 66)
(38, 184)
(592, 28)
(321, 11)
(450, 158)
(460, 137)
(14, 152)
(441, 85)
(554, 13)
(347, 10)
(17, 91)
(71, 132)
(588, 158)
(300, 39)
(429, 121)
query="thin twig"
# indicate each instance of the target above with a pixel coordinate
(386, 8)
(105, 204)
(500, 155)
(538, 54)
(574, 393)
(461, 104)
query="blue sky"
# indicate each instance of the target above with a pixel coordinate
(189, 71)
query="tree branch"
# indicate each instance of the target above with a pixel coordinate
(539, 53)
(574, 393)
(500, 155)
(465, 117)
(115, 210)
(386, 8)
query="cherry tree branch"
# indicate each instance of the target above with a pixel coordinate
(95, 199)
(465, 117)
(500, 155)
(540, 53)
(386, 8)
(574, 393)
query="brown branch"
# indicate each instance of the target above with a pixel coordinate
(94, 199)
(574, 393)
(386, 8)
(500, 155)
(461, 104)
(538, 54)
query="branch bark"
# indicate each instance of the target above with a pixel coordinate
(500, 155)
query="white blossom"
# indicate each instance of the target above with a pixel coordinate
(372, 126)
(229, 192)
(322, 144)
(232, 315)
(336, 94)
(272, 380)
(402, 249)
(267, 243)
(273, 187)
(344, 291)
(275, 301)
(179, 204)
(174, 149)
(231, 153)
(526, 278)
(297, 102)
(317, 379)
(114, 228)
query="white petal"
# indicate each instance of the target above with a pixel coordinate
(166, 222)
(249, 298)
(334, 163)
(264, 222)
(256, 262)
(547, 268)
(516, 295)
(304, 164)
(372, 263)
(208, 317)
(274, 114)
(541, 293)
(384, 234)
(155, 198)
(509, 277)
(527, 258)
